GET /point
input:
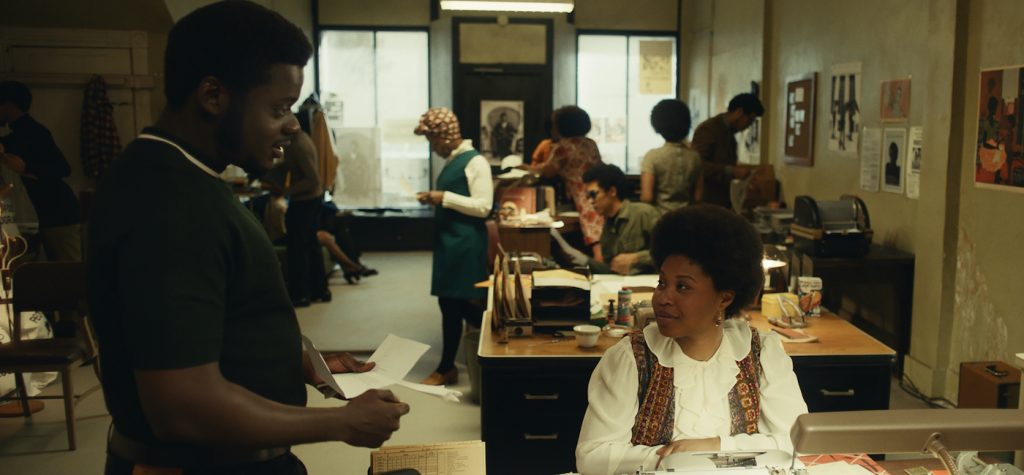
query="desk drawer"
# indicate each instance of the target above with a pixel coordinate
(534, 446)
(828, 388)
(533, 394)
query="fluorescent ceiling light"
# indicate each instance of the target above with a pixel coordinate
(547, 6)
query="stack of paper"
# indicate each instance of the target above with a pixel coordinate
(452, 458)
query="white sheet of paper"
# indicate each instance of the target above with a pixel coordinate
(395, 357)
(799, 94)
(870, 152)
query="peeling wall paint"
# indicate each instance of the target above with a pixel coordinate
(979, 333)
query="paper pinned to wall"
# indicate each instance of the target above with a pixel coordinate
(656, 67)
(914, 170)
(871, 150)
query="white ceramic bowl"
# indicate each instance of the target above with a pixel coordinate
(586, 335)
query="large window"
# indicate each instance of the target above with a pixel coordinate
(373, 87)
(619, 80)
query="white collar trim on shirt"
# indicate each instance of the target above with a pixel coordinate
(202, 166)
(463, 147)
(735, 344)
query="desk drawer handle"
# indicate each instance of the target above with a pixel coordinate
(540, 397)
(847, 393)
(540, 436)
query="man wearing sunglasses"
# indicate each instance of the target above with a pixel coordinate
(626, 236)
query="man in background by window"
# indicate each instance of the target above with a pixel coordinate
(29, 150)
(715, 141)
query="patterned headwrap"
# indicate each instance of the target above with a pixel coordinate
(439, 122)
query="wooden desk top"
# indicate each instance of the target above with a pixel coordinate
(836, 337)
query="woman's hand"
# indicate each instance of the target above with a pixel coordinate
(430, 197)
(688, 445)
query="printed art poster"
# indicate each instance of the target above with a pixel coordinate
(894, 157)
(998, 161)
(895, 96)
(501, 129)
(844, 109)
(656, 67)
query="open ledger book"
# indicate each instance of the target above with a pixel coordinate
(394, 358)
(452, 458)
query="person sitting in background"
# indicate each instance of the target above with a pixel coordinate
(670, 176)
(701, 379)
(626, 237)
(335, 236)
(571, 156)
(715, 142)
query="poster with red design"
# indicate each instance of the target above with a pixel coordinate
(999, 163)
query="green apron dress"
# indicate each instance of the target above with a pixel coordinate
(460, 241)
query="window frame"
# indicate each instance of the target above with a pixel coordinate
(627, 34)
(319, 29)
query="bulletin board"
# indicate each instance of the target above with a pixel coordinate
(799, 141)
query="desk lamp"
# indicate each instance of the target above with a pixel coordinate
(919, 430)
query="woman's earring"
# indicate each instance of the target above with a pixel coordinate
(720, 318)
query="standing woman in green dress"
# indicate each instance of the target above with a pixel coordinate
(462, 201)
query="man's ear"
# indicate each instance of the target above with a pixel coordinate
(612, 191)
(213, 97)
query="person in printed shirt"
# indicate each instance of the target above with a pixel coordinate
(462, 201)
(571, 155)
(701, 379)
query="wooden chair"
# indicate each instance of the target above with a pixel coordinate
(50, 287)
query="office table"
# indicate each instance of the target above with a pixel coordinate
(534, 389)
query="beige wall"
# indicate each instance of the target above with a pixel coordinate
(374, 12)
(989, 304)
(150, 16)
(622, 15)
(967, 295)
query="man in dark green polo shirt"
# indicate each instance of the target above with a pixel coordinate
(626, 236)
(203, 369)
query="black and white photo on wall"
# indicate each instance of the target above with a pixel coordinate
(844, 109)
(501, 129)
(894, 146)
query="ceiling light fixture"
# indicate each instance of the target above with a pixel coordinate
(546, 6)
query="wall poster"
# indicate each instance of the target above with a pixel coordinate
(501, 129)
(894, 152)
(999, 163)
(916, 145)
(359, 183)
(800, 94)
(656, 67)
(895, 96)
(844, 109)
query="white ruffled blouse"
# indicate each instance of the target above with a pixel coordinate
(702, 400)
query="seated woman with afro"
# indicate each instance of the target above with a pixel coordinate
(701, 379)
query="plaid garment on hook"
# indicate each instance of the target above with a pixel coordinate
(655, 417)
(100, 144)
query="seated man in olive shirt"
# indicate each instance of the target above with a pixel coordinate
(626, 236)
(203, 367)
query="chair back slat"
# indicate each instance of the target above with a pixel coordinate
(47, 287)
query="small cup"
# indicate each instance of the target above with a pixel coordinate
(586, 335)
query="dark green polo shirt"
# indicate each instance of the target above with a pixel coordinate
(180, 275)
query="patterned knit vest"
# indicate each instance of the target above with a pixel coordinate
(656, 392)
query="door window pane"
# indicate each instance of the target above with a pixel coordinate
(620, 79)
(374, 86)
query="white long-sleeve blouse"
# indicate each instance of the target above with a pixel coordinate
(702, 400)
